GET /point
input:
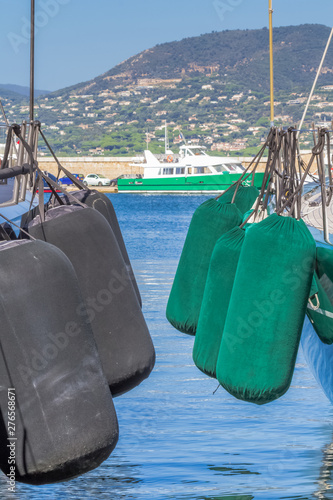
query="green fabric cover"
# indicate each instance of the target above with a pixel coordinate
(267, 309)
(209, 222)
(245, 216)
(325, 262)
(314, 286)
(215, 302)
(245, 197)
(322, 318)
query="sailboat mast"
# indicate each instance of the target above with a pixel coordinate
(32, 59)
(166, 139)
(315, 81)
(270, 10)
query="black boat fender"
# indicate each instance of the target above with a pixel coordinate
(110, 303)
(57, 418)
(103, 205)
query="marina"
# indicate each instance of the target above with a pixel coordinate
(170, 333)
(180, 441)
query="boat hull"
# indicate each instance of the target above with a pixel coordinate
(192, 183)
(319, 357)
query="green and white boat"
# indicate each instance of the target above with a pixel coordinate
(193, 170)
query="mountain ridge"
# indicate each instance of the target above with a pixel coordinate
(237, 52)
(22, 90)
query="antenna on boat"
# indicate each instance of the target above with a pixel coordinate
(270, 11)
(32, 59)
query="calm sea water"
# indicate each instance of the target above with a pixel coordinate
(178, 440)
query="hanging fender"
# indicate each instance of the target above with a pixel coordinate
(62, 414)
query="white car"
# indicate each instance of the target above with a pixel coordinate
(96, 180)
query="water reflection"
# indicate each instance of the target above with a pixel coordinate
(325, 475)
(231, 471)
(228, 497)
(117, 479)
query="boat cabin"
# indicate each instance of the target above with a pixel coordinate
(192, 160)
(224, 167)
(185, 151)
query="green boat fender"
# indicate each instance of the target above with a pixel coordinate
(209, 222)
(244, 199)
(267, 310)
(215, 303)
(325, 262)
(247, 215)
(320, 307)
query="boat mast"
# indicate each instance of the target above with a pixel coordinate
(270, 11)
(166, 139)
(315, 82)
(32, 60)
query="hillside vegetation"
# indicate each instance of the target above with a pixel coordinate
(214, 88)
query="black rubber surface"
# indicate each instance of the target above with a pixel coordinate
(65, 422)
(112, 308)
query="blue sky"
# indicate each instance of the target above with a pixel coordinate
(77, 40)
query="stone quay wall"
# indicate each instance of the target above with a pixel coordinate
(113, 167)
(109, 167)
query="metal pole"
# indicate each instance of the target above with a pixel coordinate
(4, 114)
(315, 82)
(270, 11)
(7, 124)
(32, 59)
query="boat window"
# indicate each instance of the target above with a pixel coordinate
(190, 171)
(201, 170)
(234, 166)
(180, 170)
(197, 151)
(220, 168)
(167, 171)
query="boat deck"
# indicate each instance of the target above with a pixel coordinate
(312, 210)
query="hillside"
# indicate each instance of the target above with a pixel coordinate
(215, 88)
(10, 97)
(20, 90)
(240, 55)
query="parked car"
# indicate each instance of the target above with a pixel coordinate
(65, 181)
(47, 188)
(96, 180)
